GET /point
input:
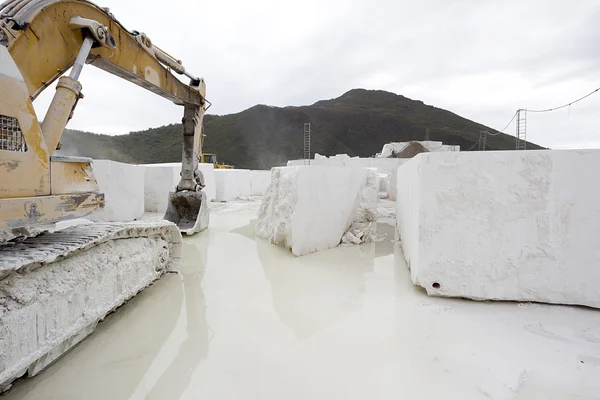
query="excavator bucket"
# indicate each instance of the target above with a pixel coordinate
(188, 210)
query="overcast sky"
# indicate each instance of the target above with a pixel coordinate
(479, 59)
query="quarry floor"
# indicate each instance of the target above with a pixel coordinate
(248, 320)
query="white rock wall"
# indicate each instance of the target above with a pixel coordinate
(259, 182)
(232, 184)
(160, 179)
(309, 209)
(520, 226)
(123, 188)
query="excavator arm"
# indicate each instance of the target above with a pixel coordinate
(44, 43)
(41, 40)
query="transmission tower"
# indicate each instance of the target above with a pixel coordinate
(482, 140)
(521, 135)
(307, 143)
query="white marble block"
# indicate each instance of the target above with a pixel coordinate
(123, 188)
(232, 184)
(511, 225)
(309, 209)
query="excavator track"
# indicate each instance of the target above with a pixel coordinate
(56, 287)
(48, 247)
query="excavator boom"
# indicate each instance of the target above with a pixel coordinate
(44, 44)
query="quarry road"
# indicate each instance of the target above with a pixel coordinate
(248, 320)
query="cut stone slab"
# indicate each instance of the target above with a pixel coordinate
(159, 182)
(232, 184)
(519, 226)
(123, 188)
(309, 209)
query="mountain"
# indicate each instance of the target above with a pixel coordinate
(358, 123)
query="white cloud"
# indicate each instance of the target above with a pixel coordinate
(480, 59)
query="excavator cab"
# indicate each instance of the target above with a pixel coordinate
(209, 158)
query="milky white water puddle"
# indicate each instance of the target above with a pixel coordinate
(248, 320)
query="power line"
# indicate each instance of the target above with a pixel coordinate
(507, 125)
(535, 111)
(494, 134)
(565, 105)
(476, 143)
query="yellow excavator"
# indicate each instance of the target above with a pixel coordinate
(55, 287)
(212, 159)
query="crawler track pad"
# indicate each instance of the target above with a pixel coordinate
(56, 287)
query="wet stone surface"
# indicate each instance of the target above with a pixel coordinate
(245, 319)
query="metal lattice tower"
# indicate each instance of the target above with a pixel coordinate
(482, 140)
(521, 135)
(307, 143)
